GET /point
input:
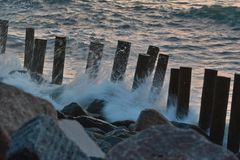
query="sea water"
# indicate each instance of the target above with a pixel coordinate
(194, 33)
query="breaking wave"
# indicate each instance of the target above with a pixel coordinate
(221, 14)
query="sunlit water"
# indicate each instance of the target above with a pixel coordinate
(195, 33)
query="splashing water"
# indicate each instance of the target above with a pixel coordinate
(122, 103)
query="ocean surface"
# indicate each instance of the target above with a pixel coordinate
(195, 33)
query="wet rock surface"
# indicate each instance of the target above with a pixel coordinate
(125, 123)
(75, 132)
(41, 137)
(165, 142)
(96, 106)
(190, 126)
(73, 110)
(19, 107)
(90, 122)
(148, 118)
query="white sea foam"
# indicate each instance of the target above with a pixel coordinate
(122, 102)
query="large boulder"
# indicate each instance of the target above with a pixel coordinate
(42, 138)
(148, 118)
(165, 142)
(75, 132)
(17, 107)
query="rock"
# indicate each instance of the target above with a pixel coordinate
(108, 143)
(125, 123)
(73, 110)
(190, 126)
(90, 122)
(19, 107)
(24, 154)
(148, 118)
(42, 138)
(95, 130)
(96, 106)
(95, 133)
(94, 158)
(74, 131)
(4, 144)
(112, 138)
(120, 132)
(238, 155)
(165, 142)
(60, 115)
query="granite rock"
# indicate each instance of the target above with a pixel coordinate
(75, 132)
(165, 142)
(19, 107)
(42, 138)
(90, 122)
(96, 106)
(73, 110)
(148, 118)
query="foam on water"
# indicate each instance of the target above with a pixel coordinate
(121, 102)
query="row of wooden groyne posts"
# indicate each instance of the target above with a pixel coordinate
(215, 91)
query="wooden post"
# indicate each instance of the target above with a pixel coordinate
(3, 35)
(142, 70)
(59, 58)
(37, 62)
(94, 59)
(29, 46)
(234, 127)
(220, 101)
(159, 75)
(153, 52)
(207, 99)
(184, 86)
(120, 61)
(173, 88)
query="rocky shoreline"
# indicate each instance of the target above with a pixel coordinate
(31, 129)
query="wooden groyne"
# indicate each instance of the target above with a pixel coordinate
(215, 91)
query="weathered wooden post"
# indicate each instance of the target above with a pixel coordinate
(3, 35)
(159, 75)
(59, 58)
(173, 88)
(234, 127)
(37, 62)
(94, 59)
(153, 52)
(120, 61)
(220, 101)
(142, 70)
(29, 46)
(207, 99)
(184, 86)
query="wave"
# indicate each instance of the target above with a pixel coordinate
(122, 103)
(221, 14)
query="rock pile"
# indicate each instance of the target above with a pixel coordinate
(31, 129)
